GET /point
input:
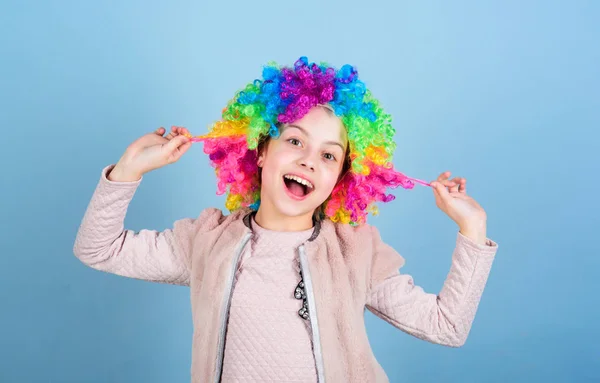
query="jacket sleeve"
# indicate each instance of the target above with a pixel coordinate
(104, 244)
(444, 318)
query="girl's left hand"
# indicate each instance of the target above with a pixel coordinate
(455, 202)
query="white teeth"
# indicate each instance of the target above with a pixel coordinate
(299, 180)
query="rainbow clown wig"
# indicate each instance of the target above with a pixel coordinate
(284, 95)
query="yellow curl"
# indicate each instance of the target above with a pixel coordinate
(376, 154)
(373, 209)
(227, 128)
(233, 201)
(342, 215)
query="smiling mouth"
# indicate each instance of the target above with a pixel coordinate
(296, 187)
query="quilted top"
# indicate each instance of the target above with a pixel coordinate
(267, 341)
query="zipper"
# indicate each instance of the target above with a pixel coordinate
(225, 309)
(312, 312)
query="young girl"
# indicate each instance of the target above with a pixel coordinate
(280, 285)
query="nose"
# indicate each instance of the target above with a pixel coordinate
(307, 163)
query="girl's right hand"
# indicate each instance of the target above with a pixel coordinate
(149, 152)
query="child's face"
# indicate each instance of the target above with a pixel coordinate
(312, 148)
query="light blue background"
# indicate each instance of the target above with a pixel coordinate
(504, 93)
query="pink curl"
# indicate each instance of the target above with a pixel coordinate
(355, 192)
(234, 164)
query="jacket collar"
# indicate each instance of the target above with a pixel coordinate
(316, 224)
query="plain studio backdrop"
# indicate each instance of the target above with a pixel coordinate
(503, 93)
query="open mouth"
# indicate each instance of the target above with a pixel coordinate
(297, 187)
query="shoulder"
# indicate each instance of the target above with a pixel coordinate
(212, 218)
(347, 233)
(354, 241)
(364, 244)
(365, 233)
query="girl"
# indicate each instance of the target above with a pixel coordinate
(279, 286)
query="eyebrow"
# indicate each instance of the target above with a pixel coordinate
(308, 134)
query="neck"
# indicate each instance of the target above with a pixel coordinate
(273, 220)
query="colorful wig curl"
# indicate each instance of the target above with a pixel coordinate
(284, 95)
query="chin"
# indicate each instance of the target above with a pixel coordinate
(285, 203)
(291, 208)
(294, 209)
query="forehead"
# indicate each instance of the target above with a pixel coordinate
(320, 124)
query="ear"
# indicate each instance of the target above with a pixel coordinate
(260, 160)
(261, 151)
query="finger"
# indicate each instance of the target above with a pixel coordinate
(463, 186)
(156, 137)
(440, 190)
(175, 143)
(182, 149)
(444, 176)
(172, 133)
(176, 131)
(445, 183)
(448, 183)
(455, 184)
(184, 131)
(176, 154)
(180, 130)
(436, 194)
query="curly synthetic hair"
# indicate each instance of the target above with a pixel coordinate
(284, 95)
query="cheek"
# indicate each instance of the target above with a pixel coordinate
(270, 171)
(268, 174)
(329, 180)
(277, 160)
(272, 163)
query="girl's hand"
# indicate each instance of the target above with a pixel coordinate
(455, 202)
(149, 152)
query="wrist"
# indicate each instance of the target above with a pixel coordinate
(477, 237)
(120, 174)
(477, 232)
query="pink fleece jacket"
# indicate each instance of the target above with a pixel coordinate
(346, 270)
